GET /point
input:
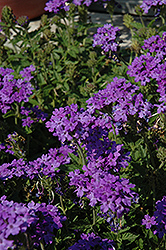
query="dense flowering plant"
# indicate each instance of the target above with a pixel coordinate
(82, 134)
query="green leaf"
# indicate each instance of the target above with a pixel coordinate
(151, 22)
(141, 243)
(41, 79)
(71, 52)
(136, 25)
(33, 101)
(47, 89)
(55, 55)
(66, 85)
(129, 236)
(74, 158)
(125, 229)
(28, 130)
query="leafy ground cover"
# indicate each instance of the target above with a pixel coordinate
(82, 131)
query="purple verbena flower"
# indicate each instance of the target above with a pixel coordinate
(145, 68)
(39, 220)
(156, 45)
(158, 219)
(152, 67)
(119, 100)
(14, 218)
(148, 4)
(103, 188)
(106, 38)
(47, 165)
(33, 115)
(14, 90)
(90, 241)
(57, 5)
(148, 221)
(49, 219)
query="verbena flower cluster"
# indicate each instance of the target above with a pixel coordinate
(106, 38)
(119, 99)
(116, 103)
(57, 5)
(13, 89)
(33, 115)
(147, 67)
(148, 4)
(98, 182)
(151, 64)
(111, 193)
(49, 219)
(90, 241)
(70, 123)
(89, 130)
(151, 67)
(14, 218)
(156, 45)
(47, 165)
(39, 220)
(158, 219)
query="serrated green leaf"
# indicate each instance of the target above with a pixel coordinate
(74, 158)
(125, 229)
(136, 25)
(129, 236)
(72, 53)
(33, 101)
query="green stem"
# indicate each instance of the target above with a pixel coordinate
(31, 45)
(151, 154)
(11, 40)
(142, 21)
(81, 153)
(27, 241)
(42, 246)
(113, 127)
(94, 216)
(62, 206)
(70, 40)
(15, 120)
(163, 20)
(17, 114)
(131, 57)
